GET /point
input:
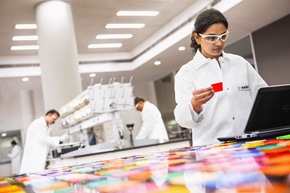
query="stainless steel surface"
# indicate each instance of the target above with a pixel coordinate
(106, 147)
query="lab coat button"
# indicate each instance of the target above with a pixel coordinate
(233, 118)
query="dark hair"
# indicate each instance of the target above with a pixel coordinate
(13, 142)
(52, 111)
(138, 99)
(203, 21)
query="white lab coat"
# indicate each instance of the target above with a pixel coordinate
(15, 156)
(227, 112)
(152, 124)
(37, 144)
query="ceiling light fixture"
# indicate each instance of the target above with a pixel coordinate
(157, 62)
(25, 79)
(112, 45)
(181, 48)
(137, 13)
(24, 38)
(125, 25)
(114, 36)
(25, 26)
(3, 134)
(32, 47)
(92, 75)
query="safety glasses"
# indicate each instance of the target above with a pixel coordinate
(214, 38)
(53, 117)
(136, 106)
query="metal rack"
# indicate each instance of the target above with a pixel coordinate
(97, 104)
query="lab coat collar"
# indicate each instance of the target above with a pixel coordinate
(43, 122)
(199, 59)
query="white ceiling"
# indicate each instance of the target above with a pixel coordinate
(159, 39)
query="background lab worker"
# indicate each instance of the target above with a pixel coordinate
(15, 156)
(38, 141)
(152, 124)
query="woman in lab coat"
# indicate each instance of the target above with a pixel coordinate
(38, 141)
(213, 111)
(15, 156)
(152, 124)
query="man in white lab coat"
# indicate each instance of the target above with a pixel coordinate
(152, 124)
(15, 155)
(38, 141)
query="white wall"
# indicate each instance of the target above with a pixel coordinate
(146, 91)
(272, 51)
(10, 111)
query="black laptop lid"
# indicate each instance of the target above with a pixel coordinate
(271, 109)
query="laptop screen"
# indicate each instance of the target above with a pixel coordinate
(271, 109)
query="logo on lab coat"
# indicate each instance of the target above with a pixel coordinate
(244, 88)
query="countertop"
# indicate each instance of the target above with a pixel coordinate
(112, 147)
(5, 161)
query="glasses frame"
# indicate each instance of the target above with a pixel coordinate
(219, 37)
(53, 117)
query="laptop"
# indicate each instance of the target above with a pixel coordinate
(269, 117)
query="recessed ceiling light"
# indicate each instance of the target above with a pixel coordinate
(3, 134)
(25, 26)
(24, 38)
(181, 48)
(25, 79)
(137, 13)
(31, 47)
(157, 62)
(92, 75)
(114, 36)
(112, 45)
(125, 25)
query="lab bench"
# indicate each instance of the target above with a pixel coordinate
(107, 151)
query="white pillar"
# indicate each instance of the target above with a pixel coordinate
(27, 110)
(61, 81)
